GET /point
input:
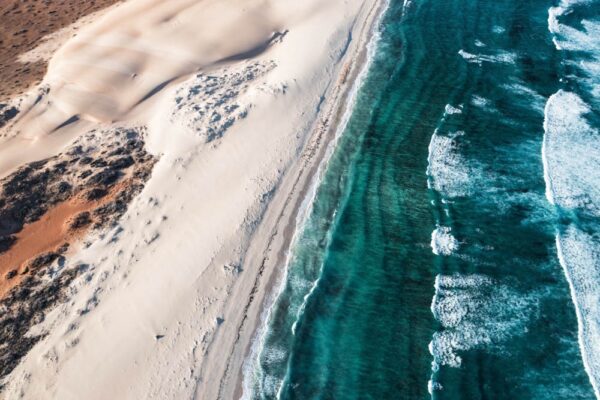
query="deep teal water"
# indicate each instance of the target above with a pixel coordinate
(429, 264)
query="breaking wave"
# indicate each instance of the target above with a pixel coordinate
(475, 312)
(264, 369)
(581, 43)
(450, 109)
(579, 255)
(571, 154)
(500, 57)
(443, 242)
(448, 170)
(571, 157)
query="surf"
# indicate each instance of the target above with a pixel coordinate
(257, 382)
(571, 160)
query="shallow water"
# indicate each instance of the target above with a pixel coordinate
(453, 247)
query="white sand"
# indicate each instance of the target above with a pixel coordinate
(238, 142)
(55, 40)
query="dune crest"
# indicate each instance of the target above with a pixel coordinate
(238, 103)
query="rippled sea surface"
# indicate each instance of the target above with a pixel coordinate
(452, 250)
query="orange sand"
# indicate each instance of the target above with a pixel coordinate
(46, 235)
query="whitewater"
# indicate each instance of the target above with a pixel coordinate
(571, 156)
(256, 382)
(450, 248)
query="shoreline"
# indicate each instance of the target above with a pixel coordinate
(312, 162)
(350, 82)
(185, 275)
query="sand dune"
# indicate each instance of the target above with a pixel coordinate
(240, 99)
(135, 52)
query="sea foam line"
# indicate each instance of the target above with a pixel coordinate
(570, 161)
(351, 102)
(251, 365)
(568, 149)
(577, 254)
(504, 57)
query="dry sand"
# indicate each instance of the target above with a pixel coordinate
(241, 100)
(26, 24)
(46, 235)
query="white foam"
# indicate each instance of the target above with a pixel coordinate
(497, 29)
(448, 170)
(406, 6)
(272, 386)
(305, 302)
(553, 14)
(571, 154)
(475, 312)
(252, 371)
(583, 40)
(518, 88)
(500, 57)
(450, 109)
(469, 57)
(579, 255)
(433, 386)
(574, 39)
(443, 242)
(484, 104)
(480, 101)
(571, 158)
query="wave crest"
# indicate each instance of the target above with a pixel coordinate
(571, 154)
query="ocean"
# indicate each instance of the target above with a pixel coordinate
(452, 248)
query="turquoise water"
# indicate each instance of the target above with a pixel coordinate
(453, 247)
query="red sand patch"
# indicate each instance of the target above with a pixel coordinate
(47, 234)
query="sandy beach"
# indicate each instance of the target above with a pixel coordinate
(227, 110)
